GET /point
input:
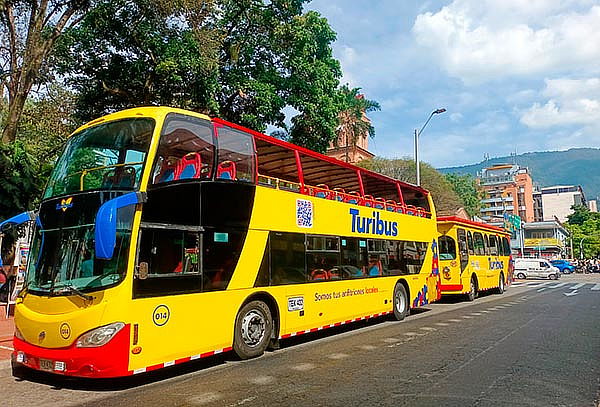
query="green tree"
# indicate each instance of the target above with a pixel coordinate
(468, 190)
(243, 60)
(29, 30)
(584, 227)
(353, 122)
(445, 199)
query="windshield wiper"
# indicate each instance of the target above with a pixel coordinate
(70, 289)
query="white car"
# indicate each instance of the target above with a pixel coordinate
(532, 268)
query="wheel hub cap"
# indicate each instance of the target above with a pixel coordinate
(253, 328)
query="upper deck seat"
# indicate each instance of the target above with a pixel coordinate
(189, 166)
(322, 191)
(226, 170)
(339, 194)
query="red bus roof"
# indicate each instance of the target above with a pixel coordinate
(471, 223)
(268, 156)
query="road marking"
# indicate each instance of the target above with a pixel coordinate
(492, 309)
(596, 287)
(262, 380)
(514, 302)
(466, 317)
(337, 356)
(534, 285)
(454, 320)
(576, 286)
(441, 324)
(391, 340)
(475, 313)
(541, 289)
(485, 311)
(574, 292)
(204, 399)
(426, 328)
(411, 333)
(368, 347)
(557, 285)
(303, 367)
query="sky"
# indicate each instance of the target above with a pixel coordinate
(514, 75)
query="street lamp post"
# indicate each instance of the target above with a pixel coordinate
(581, 247)
(417, 134)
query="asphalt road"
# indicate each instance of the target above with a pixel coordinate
(532, 346)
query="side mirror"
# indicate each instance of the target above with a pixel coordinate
(106, 223)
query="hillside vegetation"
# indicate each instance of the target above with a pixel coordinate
(577, 166)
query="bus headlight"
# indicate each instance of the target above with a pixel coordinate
(18, 334)
(99, 336)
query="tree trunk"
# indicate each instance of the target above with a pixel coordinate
(15, 110)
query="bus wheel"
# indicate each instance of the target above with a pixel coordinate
(521, 276)
(473, 290)
(500, 289)
(400, 302)
(253, 326)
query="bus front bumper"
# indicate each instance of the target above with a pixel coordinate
(110, 360)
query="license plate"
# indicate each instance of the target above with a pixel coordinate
(46, 365)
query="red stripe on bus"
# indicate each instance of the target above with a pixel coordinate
(451, 287)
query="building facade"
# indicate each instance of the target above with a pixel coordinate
(547, 239)
(558, 200)
(508, 189)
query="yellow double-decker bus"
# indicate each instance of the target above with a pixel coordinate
(166, 236)
(474, 257)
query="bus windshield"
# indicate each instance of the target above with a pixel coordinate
(108, 156)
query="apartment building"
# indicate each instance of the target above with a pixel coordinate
(508, 189)
(558, 200)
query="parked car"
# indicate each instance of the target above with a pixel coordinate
(531, 268)
(563, 265)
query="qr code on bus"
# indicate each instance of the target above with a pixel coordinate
(304, 213)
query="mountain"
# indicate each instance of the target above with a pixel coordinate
(577, 166)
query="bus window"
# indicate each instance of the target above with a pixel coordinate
(186, 149)
(486, 242)
(377, 264)
(506, 246)
(322, 258)
(478, 244)
(405, 257)
(173, 263)
(493, 246)
(470, 243)
(287, 258)
(447, 248)
(350, 266)
(236, 155)
(463, 249)
(221, 251)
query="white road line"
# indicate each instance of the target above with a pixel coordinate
(391, 340)
(557, 285)
(596, 287)
(426, 328)
(535, 285)
(303, 367)
(368, 347)
(466, 317)
(475, 313)
(485, 311)
(441, 324)
(337, 356)
(262, 380)
(541, 289)
(576, 286)
(454, 320)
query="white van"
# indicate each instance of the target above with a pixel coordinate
(528, 268)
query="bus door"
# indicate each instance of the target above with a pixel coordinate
(463, 250)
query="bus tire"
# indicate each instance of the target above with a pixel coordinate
(472, 294)
(401, 308)
(500, 289)
(521, 276)
(253, 327)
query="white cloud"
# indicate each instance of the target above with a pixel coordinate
(570, 102)
(478, 41)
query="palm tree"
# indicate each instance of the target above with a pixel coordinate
(353, 121)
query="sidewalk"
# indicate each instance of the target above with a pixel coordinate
(7, 329)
